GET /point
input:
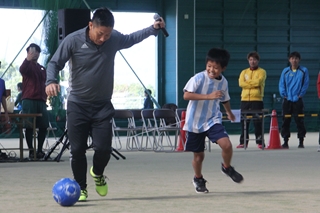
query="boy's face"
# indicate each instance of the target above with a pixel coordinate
(214, 69)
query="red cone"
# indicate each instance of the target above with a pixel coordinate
(274, 136)
(182, 136)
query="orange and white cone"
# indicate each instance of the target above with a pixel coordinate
(182, 136)
(274, 136)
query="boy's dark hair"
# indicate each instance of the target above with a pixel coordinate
(19, 85)
(103, 17)
(253, 54)
(218, 55)
(35, 46)
(295, 54)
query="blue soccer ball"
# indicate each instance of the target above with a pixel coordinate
(66, 192)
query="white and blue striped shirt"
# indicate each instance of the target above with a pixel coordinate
(203, 114)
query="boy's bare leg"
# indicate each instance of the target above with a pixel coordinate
(198, 158)
(226, 168)
(227, 151)
(198, 181)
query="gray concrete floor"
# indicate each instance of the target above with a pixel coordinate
(274, 181)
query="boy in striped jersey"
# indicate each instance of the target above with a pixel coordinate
(205, 91)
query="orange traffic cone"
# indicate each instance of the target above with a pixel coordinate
(182, 136)
(274, 136)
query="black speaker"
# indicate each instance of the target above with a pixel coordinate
(70, 20)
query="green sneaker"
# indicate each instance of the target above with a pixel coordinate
(101, 185)
(83, 195)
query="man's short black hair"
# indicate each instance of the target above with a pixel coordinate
(35, 46)
(103, 17)
(295, 54)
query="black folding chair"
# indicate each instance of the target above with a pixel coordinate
(125, 117)
(163, 128)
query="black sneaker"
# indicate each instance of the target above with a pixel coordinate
(3, 155)
(200, 185)
(40, 154)
(285, 146)
(301, 146)
(233, 174)
(31, 155)
(259, 140)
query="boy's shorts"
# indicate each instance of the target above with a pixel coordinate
(196, 141)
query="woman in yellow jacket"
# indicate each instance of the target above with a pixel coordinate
(252, 81)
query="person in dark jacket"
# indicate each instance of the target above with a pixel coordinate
(18, 102)
(3, 103)
(318, 90)
(148, 104)
(34, 97)
(3, 100)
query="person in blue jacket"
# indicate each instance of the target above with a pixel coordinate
(293, 85)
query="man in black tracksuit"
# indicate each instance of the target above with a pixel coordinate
(91, 52)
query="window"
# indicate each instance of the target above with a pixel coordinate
(142, 57)
(137, 63)
(14, 36)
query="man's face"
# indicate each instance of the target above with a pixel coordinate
(214, 69)
(253, 62)
(99, 34)
(294, 61)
